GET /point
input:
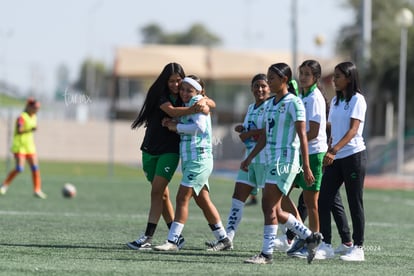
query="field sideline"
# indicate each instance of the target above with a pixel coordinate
(86, 235)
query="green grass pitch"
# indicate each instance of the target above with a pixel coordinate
(86, 235)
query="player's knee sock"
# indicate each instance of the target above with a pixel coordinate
(269, 236)
(218, 231)
(297, 227)
(234, 218)
(175, 232)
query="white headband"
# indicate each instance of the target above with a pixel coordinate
(193, 83)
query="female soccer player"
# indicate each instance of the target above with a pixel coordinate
(24, 148)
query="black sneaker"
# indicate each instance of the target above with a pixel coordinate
(222, 245)
(180, 242)
(142, 243)
(312, 243)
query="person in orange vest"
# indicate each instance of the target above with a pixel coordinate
(24, 148)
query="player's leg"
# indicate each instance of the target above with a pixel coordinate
(19, 167)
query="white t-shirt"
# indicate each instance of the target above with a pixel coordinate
(315, 106)
(340, 118)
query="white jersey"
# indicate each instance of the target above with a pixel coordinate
(254, 119)
(340, 118)
(315, 106)
(282, 140)
(196, 135)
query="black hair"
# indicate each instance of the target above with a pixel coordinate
(158, 88)
(283, 70)
(314, 66)
(350, 71)
(258, 77)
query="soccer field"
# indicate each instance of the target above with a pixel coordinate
(86, 235)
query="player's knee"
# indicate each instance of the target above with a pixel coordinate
(19, 168)
(34, 168)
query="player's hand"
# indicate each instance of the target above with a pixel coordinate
(245, 165)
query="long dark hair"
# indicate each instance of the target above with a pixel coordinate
(158, 88)
(283, 70)
(316, 70)
(350, 71)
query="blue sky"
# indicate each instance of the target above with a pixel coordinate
(37, 36)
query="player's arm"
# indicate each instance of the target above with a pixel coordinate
(20, 126)
(300, 127)
(352, 131)
(313, 130)
(261, 143)
(251, 133)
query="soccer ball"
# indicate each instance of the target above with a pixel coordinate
(69, 190)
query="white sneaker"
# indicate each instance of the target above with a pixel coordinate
(342, 249)
(356, 254)
(259, 259)
(283, 244)
(3, 189)
(325, 251)
(167, 246)
(40, 195)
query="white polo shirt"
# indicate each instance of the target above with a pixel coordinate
(340, 118)
(315, 106)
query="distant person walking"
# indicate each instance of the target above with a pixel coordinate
(24, 148)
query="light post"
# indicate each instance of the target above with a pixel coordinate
(404, 20)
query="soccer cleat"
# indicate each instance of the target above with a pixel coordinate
(3, 189)
(342, 249)
(142, 243)
(312, 243)
(355, 254)
(180, 242)
(301, 253)
(325, 251)
(259, 259)
(222, 245)
(167, 246)
(40, 195)
(297, 245)
(283, 244)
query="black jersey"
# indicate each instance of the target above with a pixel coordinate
(159, 139)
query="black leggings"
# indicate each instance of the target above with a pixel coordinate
(351, 171)
(338, 212)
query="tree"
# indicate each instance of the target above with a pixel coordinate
(91, 79)
(197, 34)
(382, 74)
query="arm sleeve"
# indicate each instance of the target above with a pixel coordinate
(198, 124)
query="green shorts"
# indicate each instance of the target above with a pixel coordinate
(161, 165)
(283, 173)
(316, 165)
(196, 174)
(254, 177)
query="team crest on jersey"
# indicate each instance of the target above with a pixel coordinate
(346, 107)
(282, 108)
